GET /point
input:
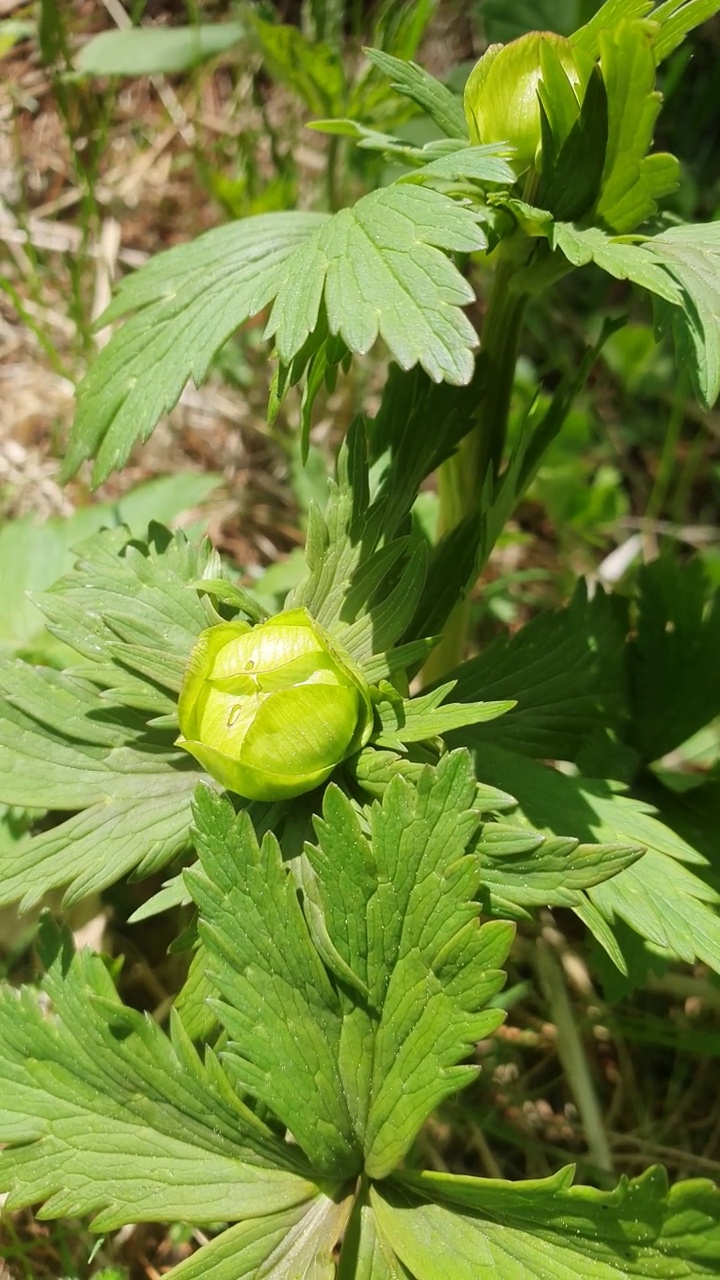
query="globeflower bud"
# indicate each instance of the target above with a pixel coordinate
(269, 711)
(501, 95)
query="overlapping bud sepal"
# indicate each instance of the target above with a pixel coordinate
(271, 710)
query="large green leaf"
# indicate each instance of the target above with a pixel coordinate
(691, 254)
(90, 739)
(105, 1114)
(382, 270)
(33, 556)
(674, 667)
(187, 302)
(354, 1062)
(566, 671)
(396, 919)
(450, 1228)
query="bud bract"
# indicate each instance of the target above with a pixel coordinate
(501, 95)
(270, 710)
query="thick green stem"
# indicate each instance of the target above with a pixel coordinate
(462, 479)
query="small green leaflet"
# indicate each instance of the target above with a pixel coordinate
(663, 897)
(187, 302)
(677, 18)
(522, 869)
(353, 1070)
(430, 95)
(428, 716)
(632, 180)
(106, 1115)
(451, 1228)
(295, 1243)
(620, 258)
(382, 270)
(681, 267)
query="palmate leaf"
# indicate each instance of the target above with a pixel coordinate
(522, 869)
(674, 667)
(395, 907)
(663, 896)
(354, 1064)
(680, 268)
(691, 254)
(187, 302)
(566, 671)
(296, 1244)
(100, 739)
(106, 1115)
(441, 1227)
(381, 269)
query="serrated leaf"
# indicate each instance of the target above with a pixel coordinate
(430, 95)
(296, 1244)
(95, 848)
(691, 254)
(636, 262)
(100, 739)
(429, 716)
(677, 18)
(486, 166)
(187, 302)
(278, 1004)
(661, 897)
(33, 556)
(453, 1228)
(382, 270)
(105, 1115)
(397, 904)
(362, 588)
(566, 672)
(674, 668)
(141, 51)
(523, 869)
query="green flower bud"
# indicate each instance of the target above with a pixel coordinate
(269, 711)
(501, 95)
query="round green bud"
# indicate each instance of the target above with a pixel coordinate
(269, 711)
(501, 95)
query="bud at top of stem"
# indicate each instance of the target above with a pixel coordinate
(501, 96)
(271, 710)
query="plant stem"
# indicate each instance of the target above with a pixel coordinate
(462, 479)
(572, 1054)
